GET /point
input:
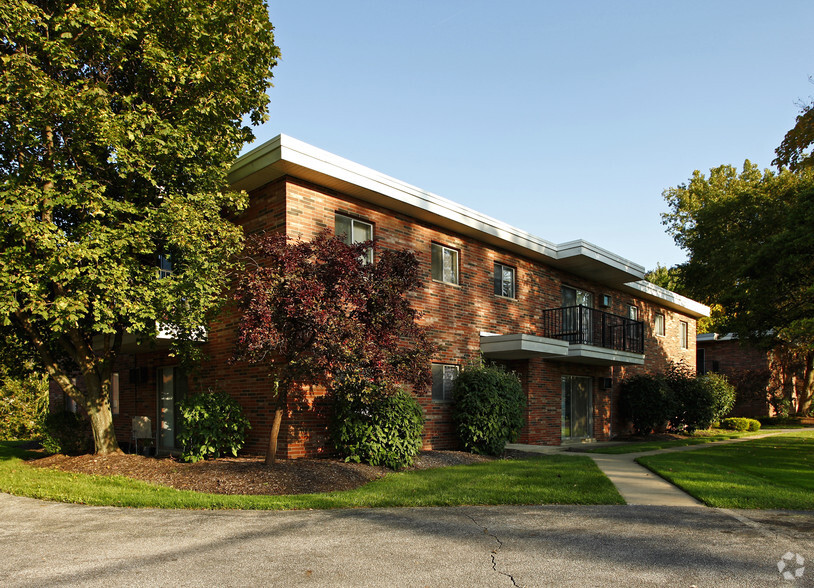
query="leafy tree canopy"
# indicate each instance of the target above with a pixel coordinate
(750, 240)
(118, 123)
(795, 151)
(667, 277)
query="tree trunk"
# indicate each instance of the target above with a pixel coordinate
(807, 392)
(97, 404)
(271, 452)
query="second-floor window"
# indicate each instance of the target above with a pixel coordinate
(505, 281)
(444, 264)
(632, 312)
(685, 331)
(575, 297)
(658, 324)
(164, 266)
(351, 230)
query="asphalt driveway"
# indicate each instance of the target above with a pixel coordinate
(52, 544)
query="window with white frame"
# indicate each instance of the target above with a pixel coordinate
(444, 264)
(632, 312)
(443, 378)
(685, 330)
(351, 230)
(505, 281)
(658, 324)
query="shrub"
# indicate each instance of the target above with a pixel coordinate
(694, 403)
(488, 408)
(379, 424)
(781, 421)
(23, 406)
(740, 424)
(210, 424)
(646, 401)
(722, 393)
(65, 432)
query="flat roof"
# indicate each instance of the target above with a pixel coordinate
(286, 156)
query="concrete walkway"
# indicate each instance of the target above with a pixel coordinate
(635, 483)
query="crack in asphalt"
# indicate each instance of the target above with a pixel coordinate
(494, 551)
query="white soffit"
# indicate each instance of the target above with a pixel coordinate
(284, 155)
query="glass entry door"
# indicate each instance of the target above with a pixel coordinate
(172, 387)
(577, 408)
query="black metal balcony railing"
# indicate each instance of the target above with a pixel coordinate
(590, 326)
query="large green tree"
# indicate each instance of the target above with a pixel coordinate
(750, 241)
(118, 122)
(795, 152)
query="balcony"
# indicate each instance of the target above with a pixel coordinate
(595, 336)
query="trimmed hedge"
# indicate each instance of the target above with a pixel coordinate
(209, 425)
(740, 424)
(379, 424)
(488, 409)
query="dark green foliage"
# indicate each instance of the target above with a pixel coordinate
(740, 424)
(694, 404)
(65, 432)
(647, 402)
(23, 404)
(782, 421)
(677, 398)
(378, 424)
(210, 424)
(721, 391)
(488, 409)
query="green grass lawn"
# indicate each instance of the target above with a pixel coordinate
(542, 480)
(774, 472)
(697, 438)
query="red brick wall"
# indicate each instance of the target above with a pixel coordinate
(455, 314)
(743, 365)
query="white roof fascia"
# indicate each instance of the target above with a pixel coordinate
(668, 298)
(576, 256)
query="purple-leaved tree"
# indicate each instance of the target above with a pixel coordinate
(314, 310)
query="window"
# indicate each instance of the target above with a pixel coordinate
(504, 281)
(114, 393)
(659, 324)
(684, 335)
(700, 361)
(575, 296)
(351, 231)
(444, 264)
(443, 377)
(632, 312)
(164, 266)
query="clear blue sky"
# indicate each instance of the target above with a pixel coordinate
(566, 119)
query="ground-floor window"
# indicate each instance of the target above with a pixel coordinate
(577, 407)
(443, 379)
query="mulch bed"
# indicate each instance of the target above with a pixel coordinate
(244, 475)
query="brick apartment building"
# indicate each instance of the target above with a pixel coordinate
(570, 319)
